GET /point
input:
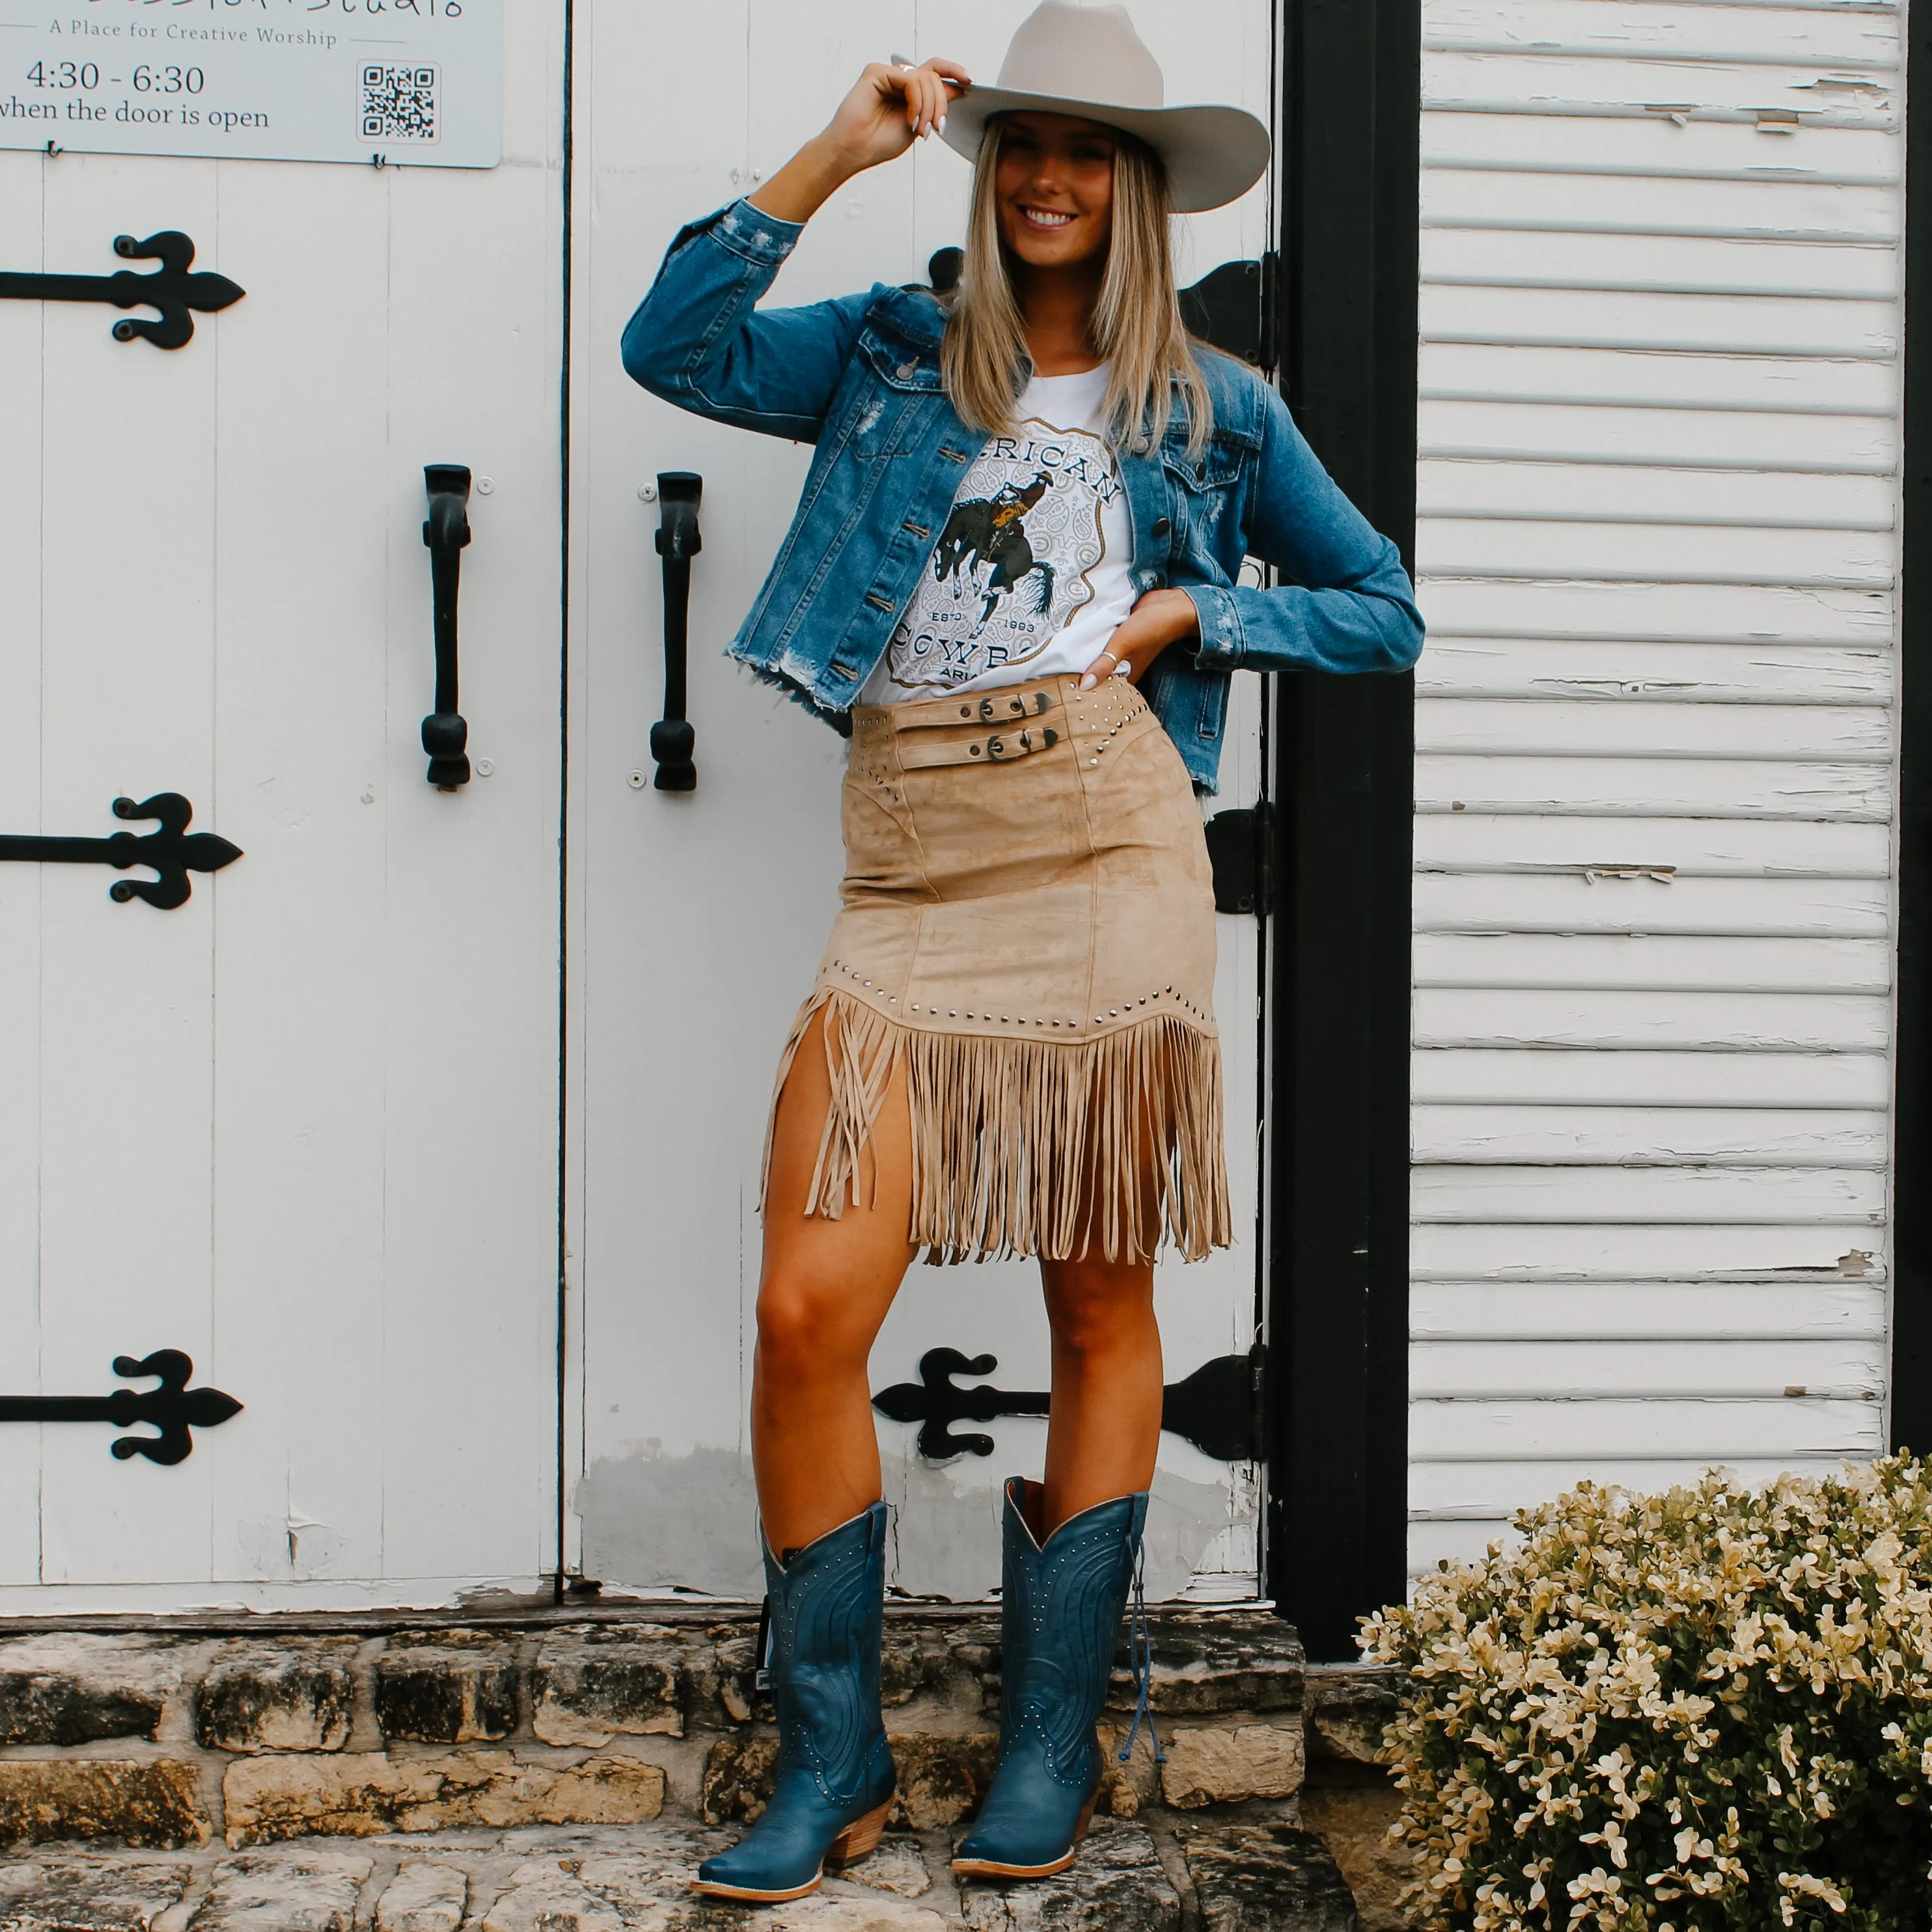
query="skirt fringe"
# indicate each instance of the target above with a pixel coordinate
(1023, 1148)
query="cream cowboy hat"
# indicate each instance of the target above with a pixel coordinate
(1089, 62)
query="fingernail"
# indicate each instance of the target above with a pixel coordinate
(942, 123)
(1088, 681)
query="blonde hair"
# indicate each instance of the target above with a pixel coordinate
(1136, 323)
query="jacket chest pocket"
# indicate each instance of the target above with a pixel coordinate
(1202, 500)
(895, 408)
(1220, 466)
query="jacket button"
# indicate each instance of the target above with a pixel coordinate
(908, 371)
(1163, 526)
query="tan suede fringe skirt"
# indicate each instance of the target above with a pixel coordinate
(1027, 925)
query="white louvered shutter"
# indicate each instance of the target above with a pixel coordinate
(1659, 488)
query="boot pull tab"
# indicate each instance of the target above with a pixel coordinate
(761, 1676)
(1140, 1648)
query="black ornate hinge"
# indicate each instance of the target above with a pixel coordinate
(1218, 1407)
(174, 1408)
(173, 851)
(171, 289)
(1241, 849)
(1234, 308)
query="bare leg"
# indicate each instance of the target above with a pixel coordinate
(1107, 1377)
(824, 1290)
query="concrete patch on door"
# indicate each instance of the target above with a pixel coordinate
(945, 1539)
(946, 1535)
(653, 1522)
(1185, 1520)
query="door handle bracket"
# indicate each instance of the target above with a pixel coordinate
(446, 531)
(679, 540)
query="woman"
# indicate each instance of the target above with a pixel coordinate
(1013, 579)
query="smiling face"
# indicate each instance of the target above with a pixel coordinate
(1055, 189)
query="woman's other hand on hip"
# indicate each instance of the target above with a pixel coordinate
(1161, 618)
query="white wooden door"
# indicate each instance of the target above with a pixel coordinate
(304, 1127)
(697, 920)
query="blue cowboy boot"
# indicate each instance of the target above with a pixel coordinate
(1061, 1610)
(836, 1778)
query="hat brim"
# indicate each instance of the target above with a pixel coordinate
(1213, 155)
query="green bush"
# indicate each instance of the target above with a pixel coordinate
(1710, 1709)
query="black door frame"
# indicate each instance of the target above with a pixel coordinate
(1337, 1274)
(1912, 1125)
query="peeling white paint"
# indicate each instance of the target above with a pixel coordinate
(654, 1523)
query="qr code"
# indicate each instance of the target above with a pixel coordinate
(399, 104)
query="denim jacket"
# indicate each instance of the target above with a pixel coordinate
(859, 379)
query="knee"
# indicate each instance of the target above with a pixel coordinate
(1094, 1310)
(806, 1327)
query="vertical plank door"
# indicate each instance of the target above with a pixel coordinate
(304, 1128)
(698, 919)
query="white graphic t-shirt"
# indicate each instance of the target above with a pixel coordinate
(1031, 573)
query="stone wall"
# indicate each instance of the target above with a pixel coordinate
(174, 1737)
(544, 1757)
(1348, 1798)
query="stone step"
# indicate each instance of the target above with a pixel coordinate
(173, 1738)
(1132, 1877)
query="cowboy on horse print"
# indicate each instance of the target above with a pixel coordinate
(992, 530)
(1012, 562)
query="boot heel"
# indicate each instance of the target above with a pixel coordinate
(859, 1838)
(1086, 1823)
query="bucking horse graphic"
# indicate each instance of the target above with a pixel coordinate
(992, 530)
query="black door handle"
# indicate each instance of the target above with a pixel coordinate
(447, 532)
(678, 542)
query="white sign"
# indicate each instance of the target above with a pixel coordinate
(417, 82)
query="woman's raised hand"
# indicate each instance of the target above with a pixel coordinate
(890, 108)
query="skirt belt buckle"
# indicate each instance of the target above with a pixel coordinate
(1023, 744)
(994, 710)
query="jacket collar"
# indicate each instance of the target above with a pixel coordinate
(913, 314)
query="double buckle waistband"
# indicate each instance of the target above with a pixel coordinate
(1021, 737)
